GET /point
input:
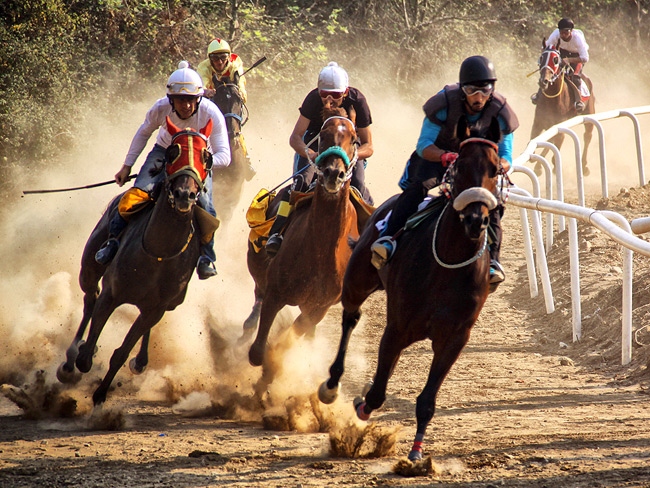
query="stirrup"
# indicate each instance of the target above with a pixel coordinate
(497, 274)
(382, 250)
(580, 106)
(533, 98)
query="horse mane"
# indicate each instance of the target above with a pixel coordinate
(339, 112)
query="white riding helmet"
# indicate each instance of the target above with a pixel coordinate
(333, 78)
(185, 81)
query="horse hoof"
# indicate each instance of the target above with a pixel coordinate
(415, 455)
(359, 404)
(366, 389)
(327, 395)
(133, 366)
(67, 375)
(585, 171)
(255, 356)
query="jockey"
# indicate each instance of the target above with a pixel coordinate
(186, 109)
(333, 91)
(473, 97)
(224, 66)
(574, 51)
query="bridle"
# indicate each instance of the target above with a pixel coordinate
(241, 117)
(336, 151)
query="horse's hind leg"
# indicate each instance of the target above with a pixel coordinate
(103, 310)
(443, 359)
(589, 132)
(65, 372)
(141, 326)
(253, 320)
(270, 308)
(138, 364)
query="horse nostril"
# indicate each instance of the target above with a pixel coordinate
(486, 221)
(341, 175)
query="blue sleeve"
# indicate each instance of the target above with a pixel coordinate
(429, 132)
(505, 148)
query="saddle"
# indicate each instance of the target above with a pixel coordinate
(260, 223)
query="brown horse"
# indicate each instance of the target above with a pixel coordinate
(436, 283)
(228, 182)
(555, 101)
(158, 253)
(308, 270)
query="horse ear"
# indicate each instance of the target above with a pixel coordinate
(462, 129)
(235, 78)
(543, 43)
(352, 115)
(171, 128)
(494, 131)
(207, 130)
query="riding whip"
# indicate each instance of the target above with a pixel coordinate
(256, 63)
(273, 189)
(94, 185)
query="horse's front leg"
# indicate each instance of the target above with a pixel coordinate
(141, 326)
(270, 308)
(443, 359)
(103, 309)
(138, 364)
(589, 132)
(329, 390)
(66, 372)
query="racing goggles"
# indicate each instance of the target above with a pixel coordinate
(334, 94)
(219, 57)
(485, 89)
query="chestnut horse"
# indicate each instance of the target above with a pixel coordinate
(228, 181)
(156, 259)
(308, 269)
(555, 101)
(436, 282)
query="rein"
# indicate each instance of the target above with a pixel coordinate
(464, 263)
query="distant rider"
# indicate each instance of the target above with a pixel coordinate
(473, 97)
(186, 109)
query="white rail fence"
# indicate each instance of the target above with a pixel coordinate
(611, 223)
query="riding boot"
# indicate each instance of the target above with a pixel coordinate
(497, 274)
(275, 237)
(205, 267)
(534, 97)
(109, 249)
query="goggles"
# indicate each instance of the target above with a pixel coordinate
(485, 90)
(334, 94)
(219, 57)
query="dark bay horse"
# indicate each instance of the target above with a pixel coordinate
(555, 102)
(158, 253)
(228, 182)
(436, 282)
(308, 269)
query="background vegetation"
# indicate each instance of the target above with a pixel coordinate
(56, 53)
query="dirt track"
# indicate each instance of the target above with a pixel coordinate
(518, 409)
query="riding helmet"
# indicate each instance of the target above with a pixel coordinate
(333, 78)
(185, 81)
(218, 46)
(565, 23)
(476, 68)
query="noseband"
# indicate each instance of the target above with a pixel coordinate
(336, 151)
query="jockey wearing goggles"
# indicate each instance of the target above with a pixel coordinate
(437, 148)
(184, 107)
(333, 91)
(224, 66)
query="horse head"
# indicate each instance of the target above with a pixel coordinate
(337, 153)
(188, 163)
(474, 176)
(230, 102)
(549, 66)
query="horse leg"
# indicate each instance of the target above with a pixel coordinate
(253, 320)
(138, 364)
(390, 348)
(329, 390)
(443, 359)
(141, 326)
(66, 372)
(103, 309)
(305, 323)
(270, 308)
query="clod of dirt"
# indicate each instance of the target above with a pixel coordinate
(39, 400)
(371, 441)
(107, 419)
(404, 467)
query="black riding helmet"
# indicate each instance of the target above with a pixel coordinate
(476, 69)
(565, 23)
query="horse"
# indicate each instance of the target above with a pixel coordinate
(436, 282)
(308, 269)
(155, 262)
(555, 102)
(228, 181)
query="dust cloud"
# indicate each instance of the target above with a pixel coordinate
(197, 361)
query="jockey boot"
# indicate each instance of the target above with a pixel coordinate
(580, 106)
(533, 98)
(275, 237)
(497, 275)
(109, 249)
(205, 268)
(382, 250)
